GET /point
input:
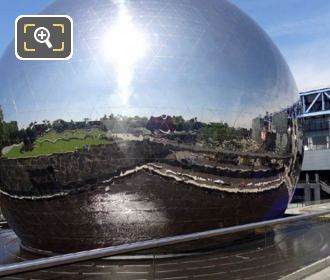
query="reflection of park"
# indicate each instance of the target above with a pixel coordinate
(124, 179)
(86, 191)
(62, 136)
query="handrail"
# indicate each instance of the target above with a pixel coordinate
(324, 187)
(42, 263)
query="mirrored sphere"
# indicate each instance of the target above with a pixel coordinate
(171, 117)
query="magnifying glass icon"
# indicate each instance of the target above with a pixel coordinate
(42, 35)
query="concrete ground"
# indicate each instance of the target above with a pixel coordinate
(322, 275)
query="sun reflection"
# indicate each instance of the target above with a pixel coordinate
(125, 45)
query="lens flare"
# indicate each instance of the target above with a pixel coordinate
(125, 46)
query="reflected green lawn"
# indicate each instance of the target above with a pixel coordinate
(59, 142)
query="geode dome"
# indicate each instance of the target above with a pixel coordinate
(197, 74)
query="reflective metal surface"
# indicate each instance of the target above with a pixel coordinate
(152, 129)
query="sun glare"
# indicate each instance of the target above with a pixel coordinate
(125, 45)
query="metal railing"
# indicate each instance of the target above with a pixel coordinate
(65, 259)
(308, 203)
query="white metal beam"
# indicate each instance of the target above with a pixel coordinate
(314, 101)
(314, 114)
(327, 95)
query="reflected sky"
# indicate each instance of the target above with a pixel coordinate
(194, 58)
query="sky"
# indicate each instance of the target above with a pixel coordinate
(10, 9)
(300, 28)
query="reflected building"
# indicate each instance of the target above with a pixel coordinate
(87, 166)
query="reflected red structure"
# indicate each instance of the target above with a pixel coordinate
(163, 124)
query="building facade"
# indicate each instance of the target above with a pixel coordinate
(315, 118)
